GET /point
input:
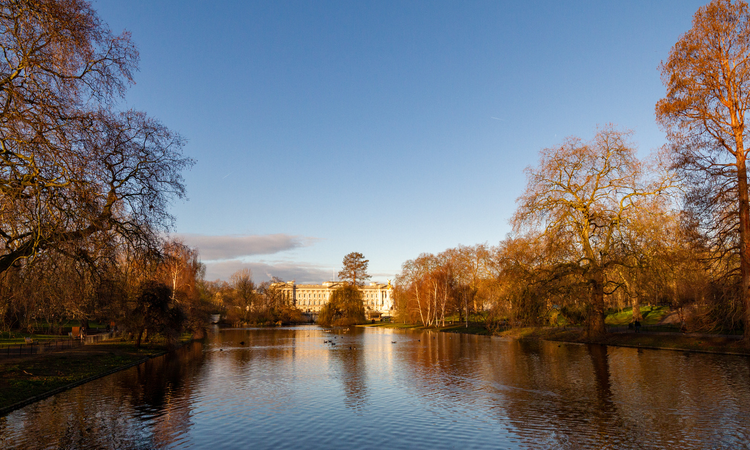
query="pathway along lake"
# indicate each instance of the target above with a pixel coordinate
(382, 388)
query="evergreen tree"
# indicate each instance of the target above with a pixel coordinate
(355, 269)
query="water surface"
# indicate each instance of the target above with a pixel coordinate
(380, 388)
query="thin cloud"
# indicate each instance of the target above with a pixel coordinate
(212, 248)
(383, 276)
(300, 273)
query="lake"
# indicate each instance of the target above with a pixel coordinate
(383, 388)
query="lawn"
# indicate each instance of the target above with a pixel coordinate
(24, 377)
(42, 332)
(651, 315)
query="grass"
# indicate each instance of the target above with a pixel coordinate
(43, 329)
(651, 315)
(18, 338)
(25, 377)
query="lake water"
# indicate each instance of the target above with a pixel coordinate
(379, 388)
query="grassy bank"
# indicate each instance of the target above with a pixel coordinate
(29, 377)
(651, 315)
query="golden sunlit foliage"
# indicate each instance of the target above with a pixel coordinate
(707, 76)
(588, 200)
(588, 233)
(344, 308)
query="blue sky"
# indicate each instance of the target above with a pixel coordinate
(389, 128)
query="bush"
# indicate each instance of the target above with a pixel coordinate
(574, 315)
(155, 313)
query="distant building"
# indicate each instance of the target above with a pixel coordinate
(377, 298)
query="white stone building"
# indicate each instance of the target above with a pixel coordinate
(310, 298)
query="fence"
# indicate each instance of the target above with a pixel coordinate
(38, 347)
(92, 338)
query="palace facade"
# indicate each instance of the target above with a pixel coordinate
(310, 298)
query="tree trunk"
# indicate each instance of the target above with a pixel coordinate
(744, 237)
(596, 328)
(635, 299)
(138, 339)
(445, 300)
(419, 305)
(466, 306)
(637, 308)
(460, 313)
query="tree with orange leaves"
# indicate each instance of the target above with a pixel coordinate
(585, 198)
(707, 76)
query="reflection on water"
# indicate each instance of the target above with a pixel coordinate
(288, 388)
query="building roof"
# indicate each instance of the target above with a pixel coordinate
(329, 285)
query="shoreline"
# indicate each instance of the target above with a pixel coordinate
(28, 379)
(696, 343)
(9, 409)
(14, 370)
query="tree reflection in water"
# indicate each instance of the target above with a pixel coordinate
(287, 388)
(348, 363)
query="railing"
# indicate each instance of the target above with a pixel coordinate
(90, 339)
(32, 347)
(38, 347)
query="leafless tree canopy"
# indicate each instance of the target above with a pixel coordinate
(71, 166)
(587, 199)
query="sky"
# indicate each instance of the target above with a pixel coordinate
(389, 128)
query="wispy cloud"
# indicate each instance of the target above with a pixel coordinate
(300, 272)
(213, 248)
(382, 276)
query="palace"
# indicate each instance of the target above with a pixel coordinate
(310, 298)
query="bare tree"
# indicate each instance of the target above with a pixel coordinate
(582, 197)
(244, 290)
(69, 166)
(707, 76)
(180, 268)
